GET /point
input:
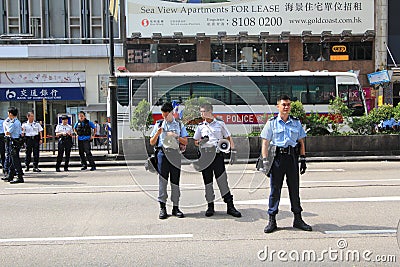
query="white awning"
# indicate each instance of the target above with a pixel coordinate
(95, 108)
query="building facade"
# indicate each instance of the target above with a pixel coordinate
(54, 57)
(59, 50)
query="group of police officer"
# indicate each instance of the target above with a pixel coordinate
(282, 150)
(13, 136)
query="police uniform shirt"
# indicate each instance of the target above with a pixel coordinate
(173, 126)
(32, 129)
(61, 128)
(13, 126)
(283, 134)
(1, 126)
(215, 130)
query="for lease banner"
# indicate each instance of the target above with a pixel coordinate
(254, 16)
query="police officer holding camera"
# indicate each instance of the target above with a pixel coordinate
(283, 133)
(166, 136)
(13, 130)
(64, 133)
(207, 136)
(32, 132)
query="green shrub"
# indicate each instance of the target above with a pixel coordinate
(142, 117)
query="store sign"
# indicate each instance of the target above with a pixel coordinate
(234, 118)
(339, 51)
(40, 93)
(378, 77)
(254, 16)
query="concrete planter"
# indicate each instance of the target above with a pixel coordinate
(353, 145)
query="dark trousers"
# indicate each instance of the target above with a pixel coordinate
(284, 164)
(32, 145)
(97, 140)
(85, 153)
(169, 166)
(64, 145)
(216, 168)
(13, 162)
(2, 150)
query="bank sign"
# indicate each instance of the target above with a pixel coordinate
(254, 16)
(40, 93)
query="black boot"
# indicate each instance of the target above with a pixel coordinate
(17, 180)
(232, 211)
(7, 178)
(163, 211)
(176, 212)
(210, 210)
(271, 226)
(300, 224)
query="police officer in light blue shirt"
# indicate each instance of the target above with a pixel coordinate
(2, 145)
(167, 135)
(12, 131)
(284, 133)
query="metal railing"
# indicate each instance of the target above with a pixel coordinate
(255, 66)
(50, 141)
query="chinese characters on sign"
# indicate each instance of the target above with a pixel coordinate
(37, 94)
(253, 16)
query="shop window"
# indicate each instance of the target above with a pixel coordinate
(321, 51)
(361, 51)
(316, 51)
(161, 53)
(176, 53)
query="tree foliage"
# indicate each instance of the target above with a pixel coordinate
(191, 113)
(297, 110)
(142, 117)
(339, 112)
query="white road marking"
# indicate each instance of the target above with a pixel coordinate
(88, 186)
(286, 201)
(375, 231)
(325, 170)
(251, 171)
(90, 238)
(352, 181)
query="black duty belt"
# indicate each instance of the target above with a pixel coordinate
(32, 137)
(285, 150)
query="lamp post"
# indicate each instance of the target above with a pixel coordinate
(112, 85)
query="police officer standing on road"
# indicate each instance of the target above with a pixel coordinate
(283, 133)
(32, 132)
(215, 130)
(12, 130)
(166, 136)
(64, 133)
(2, 145)
(83, 128)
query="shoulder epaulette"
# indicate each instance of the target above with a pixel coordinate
(219, 119)
(159, 122)
(273, 118)
(294, 118)
(201, 123)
